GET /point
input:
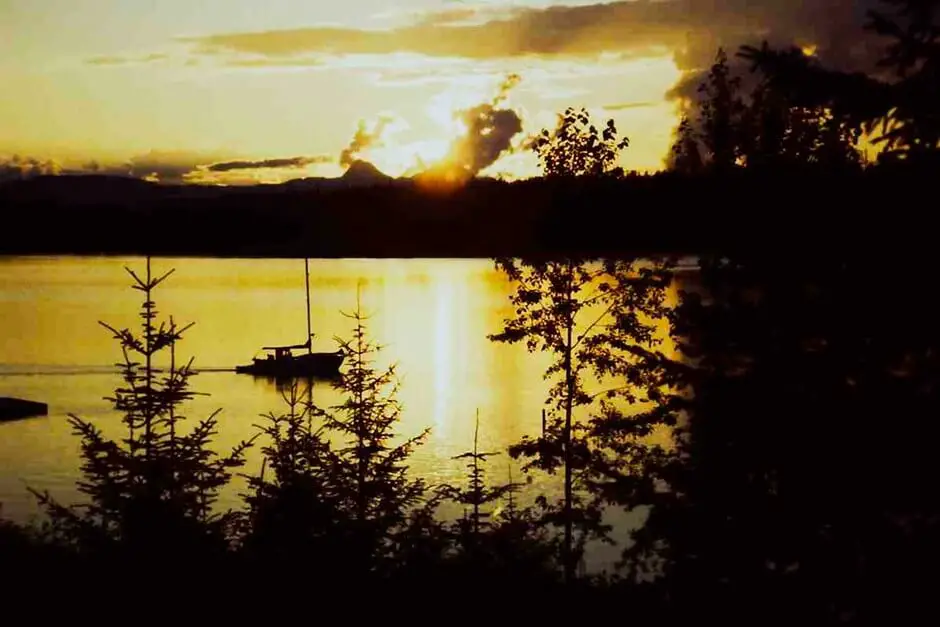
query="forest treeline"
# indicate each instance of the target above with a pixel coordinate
(667, 212)
(772, 415)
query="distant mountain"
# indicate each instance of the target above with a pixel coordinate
(359, 174)
(364, 172)
(81, 189)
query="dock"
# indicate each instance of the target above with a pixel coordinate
(17, 408)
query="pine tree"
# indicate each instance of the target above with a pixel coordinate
(152, 495)
(477, 494)
(369, 477)
(496, 540)
(336, 491)
(292, 504)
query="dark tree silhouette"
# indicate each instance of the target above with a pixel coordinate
(685, 156)
(777, 132)
(591, 318)
(787, 498)
(152, 494)
(478, 493)
(294, 513)
(581, 313)
(339, 491)
(721, 113)
(575, 147)
(369, 472)
(497, 542)
(912, 128)
(899, 109)
(854, 98)
(772, 128)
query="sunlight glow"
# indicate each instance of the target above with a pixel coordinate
(443, 350)
(411, 157)
(428, 155)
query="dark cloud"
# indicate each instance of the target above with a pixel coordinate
(363, 139)
(691, 29)
(290, 162)
(165, 167)
(555, 30)
(156, 165)
(96, 167)
(607, 27)
(490, 129)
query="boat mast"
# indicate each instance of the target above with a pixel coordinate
(307, 283)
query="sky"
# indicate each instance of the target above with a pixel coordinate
(252, 90)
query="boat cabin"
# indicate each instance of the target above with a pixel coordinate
(283, 352)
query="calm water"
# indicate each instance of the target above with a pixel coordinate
(431, 316)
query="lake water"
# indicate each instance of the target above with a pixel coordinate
(431, 316)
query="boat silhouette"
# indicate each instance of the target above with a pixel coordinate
(281, 362)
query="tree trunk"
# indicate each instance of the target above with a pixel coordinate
(568, 555)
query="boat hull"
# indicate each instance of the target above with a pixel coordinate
(309, 365)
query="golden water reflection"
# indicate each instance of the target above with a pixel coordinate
(431, 316)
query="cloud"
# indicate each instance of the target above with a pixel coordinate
(628, 105)
(489, 130)
(160, 166)
(119, 60)
(363, 140)
(202, 176)
(163, 167)
(447, 17)
(169, 167)
(409, 69)
(290, 162)
(106, 60)
(267, 62)
(554, 30)
(691, 29)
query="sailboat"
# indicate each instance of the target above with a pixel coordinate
(282, 363)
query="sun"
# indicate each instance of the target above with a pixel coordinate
(425, 153)
(406, 158)
(429, 152)
(443, 109)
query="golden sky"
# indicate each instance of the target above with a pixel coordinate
(172, 85)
